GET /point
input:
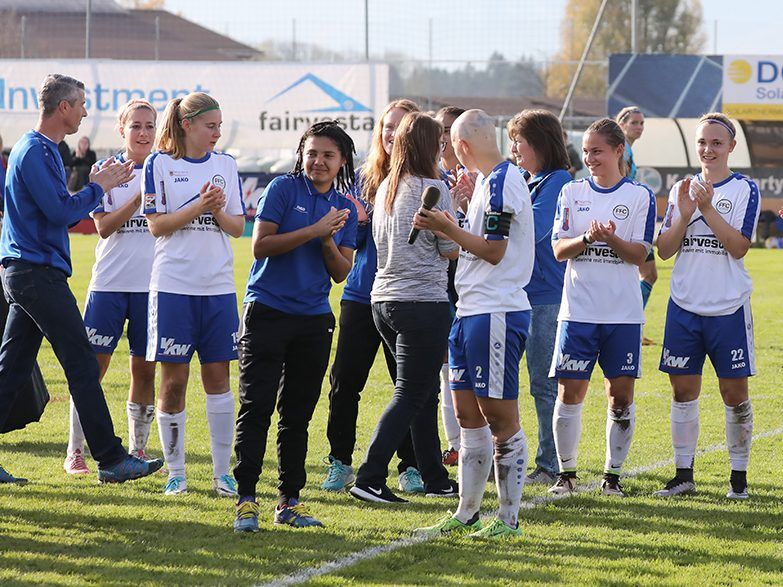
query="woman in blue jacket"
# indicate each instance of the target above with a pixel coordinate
(537, 146)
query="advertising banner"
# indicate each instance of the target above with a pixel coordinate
(753, 87)
(265, 106)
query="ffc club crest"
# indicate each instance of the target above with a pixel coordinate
(219, 182)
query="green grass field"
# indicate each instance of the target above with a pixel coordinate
(61, 530)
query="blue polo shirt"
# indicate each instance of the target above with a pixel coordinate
(38, 207)
(546, 283)
(297, 282)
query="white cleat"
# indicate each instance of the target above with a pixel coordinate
(676, 487)
(225, 486)
(565, 485)
(176, 486)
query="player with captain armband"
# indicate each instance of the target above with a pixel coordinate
(709, 224)
(604, 227)
(118, 291)
(488, 337)
(193, 203)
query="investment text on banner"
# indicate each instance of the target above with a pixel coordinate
(265, 106)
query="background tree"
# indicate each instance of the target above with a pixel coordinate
(663, 26)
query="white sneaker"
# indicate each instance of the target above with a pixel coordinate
(565, 485)
(225, 486)
(176, 485)
(611, 486)
(75, 465)
(676, 487)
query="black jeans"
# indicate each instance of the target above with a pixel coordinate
(282, 361)
(42, 304)
(357, 345)
(417, 334)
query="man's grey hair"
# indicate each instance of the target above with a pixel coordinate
(56, 88)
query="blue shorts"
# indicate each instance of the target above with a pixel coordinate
(617, 347)
(180, 325)
(484, 353)
(689, 338)
(105, 314)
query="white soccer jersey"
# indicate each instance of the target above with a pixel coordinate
(123, 262)
(706, 279)
(197, 259)
(601, 288)
(484, 288)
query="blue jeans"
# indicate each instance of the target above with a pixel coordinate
(417, 335)
(538, 353)
(42, 305)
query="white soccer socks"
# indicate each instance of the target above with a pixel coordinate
(620, 424)
(220, 416)
(567, 428)
(475, 462)
(510, 466)
(685, 432)
(449, 417)
(75, 432)
(139, 423)
(171, 428)
(739, 434)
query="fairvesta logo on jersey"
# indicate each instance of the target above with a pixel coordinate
(706, 242)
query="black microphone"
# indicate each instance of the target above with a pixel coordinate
(429, 198)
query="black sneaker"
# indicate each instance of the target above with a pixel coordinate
(375, 493)
(450, 490)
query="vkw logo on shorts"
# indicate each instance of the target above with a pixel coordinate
(620, 212)
(219, 181)
(723, 206)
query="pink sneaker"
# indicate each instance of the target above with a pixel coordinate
(74, 464)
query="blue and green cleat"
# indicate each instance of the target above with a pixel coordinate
(293, 513)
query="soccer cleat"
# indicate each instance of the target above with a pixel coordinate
(6, 477)
(410, 481)
(338, 476)
(450, 457)
(246, 517)
(497, 530)
(295, 514)
(539, 476)
(611, 485)
(225, 486)
(741, 494)
(676, 486)
(74, 464)
(738, 483)
(450, 490)
(565, 484)
(127, 469)
(376, 494)
(448, 526)
(176, 485)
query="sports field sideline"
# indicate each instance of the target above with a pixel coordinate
(61, 530)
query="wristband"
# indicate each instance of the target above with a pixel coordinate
(585, 241)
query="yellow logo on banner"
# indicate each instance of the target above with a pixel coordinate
(740, 71)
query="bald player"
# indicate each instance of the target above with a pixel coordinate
(488, 336)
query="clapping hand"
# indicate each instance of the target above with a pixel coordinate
(111, 174)
(211, 198)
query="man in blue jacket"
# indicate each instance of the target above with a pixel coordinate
(35, 254)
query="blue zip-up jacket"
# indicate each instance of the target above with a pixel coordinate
(38, 207)
(546, 282)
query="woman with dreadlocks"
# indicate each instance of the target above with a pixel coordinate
(304, 237)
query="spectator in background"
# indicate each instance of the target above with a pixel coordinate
(631, 120)
(83, 159)
(66, 156)
(574, 160)
(538, 147)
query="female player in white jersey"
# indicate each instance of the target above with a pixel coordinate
(709, 225)
(604, 228)
(118, 290)
(192, 199)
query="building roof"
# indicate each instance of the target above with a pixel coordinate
(116, 34)
(60, 6)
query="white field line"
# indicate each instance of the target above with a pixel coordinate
(375, 551)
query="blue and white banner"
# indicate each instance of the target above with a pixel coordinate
(265, 106)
